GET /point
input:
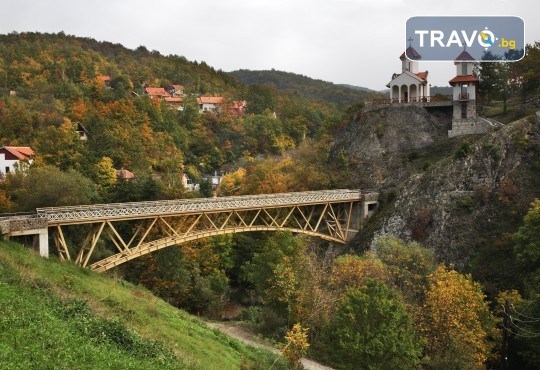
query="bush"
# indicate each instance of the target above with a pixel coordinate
(463, 151)
(466, 203)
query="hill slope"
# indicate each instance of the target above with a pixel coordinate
(57, 315)
(304, 86)
(461, 197)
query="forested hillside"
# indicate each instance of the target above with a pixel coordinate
(53, 82)
(91, 109)
(308, 87)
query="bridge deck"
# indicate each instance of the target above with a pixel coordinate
(97, 212)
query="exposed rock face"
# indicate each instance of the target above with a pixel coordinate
(459, 201)
(375, 142)
(466, 198)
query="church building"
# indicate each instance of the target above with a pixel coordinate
(410, 85)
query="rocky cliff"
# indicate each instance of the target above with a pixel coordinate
(376, 143)
(471, 194)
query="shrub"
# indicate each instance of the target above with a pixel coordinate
(463, 151)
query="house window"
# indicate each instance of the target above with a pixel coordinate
(7, 169)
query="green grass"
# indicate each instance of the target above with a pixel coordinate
(56, 315)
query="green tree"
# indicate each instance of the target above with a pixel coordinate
(60, 146)
(48, 186)
(527, 239)
(491, 79)
(526, 324)
(371, 330)
(260, 98)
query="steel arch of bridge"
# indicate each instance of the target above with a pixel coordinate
(136, 229)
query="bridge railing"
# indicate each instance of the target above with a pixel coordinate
(137, 209)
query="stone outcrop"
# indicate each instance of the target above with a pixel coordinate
(467, 197)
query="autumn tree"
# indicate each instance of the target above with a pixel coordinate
(455, 321)
(352, 272)
(105, 174)
(231, 183)
(408, 265)
(296, 346)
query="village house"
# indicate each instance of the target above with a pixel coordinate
(210, 104)
(238, 107)
(14, 157)
(176, 91)
(188, 184)
(175, 103)
(124, 175)
(156, 93)
(81, 130)
(214, 179)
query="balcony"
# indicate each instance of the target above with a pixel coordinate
(464, 96)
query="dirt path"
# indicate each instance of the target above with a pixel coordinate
(249, 338)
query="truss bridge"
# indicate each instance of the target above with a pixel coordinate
(132, 230)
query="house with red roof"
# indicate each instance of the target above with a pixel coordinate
(157, 93)
(175, 103)
(237, 107)
(124, 175)
(14, 157)
(210, 103)
(410, 85)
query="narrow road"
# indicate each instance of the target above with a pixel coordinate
(249, 338)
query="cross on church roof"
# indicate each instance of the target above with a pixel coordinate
(410, 41)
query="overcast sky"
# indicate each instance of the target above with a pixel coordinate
(344, 41)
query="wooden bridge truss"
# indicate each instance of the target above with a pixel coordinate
(135, 229)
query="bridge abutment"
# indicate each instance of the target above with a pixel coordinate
(361, 212)
(25, 226)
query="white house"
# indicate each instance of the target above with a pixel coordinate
(210, 103)
(13, 157)
(81, 130)
(409, 85)
(188, 184)
(176, 91)
(214, 179)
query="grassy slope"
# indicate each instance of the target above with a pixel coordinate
(58, 315)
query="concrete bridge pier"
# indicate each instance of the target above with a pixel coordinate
(361, 212)
(23, 226)
(40, 240)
